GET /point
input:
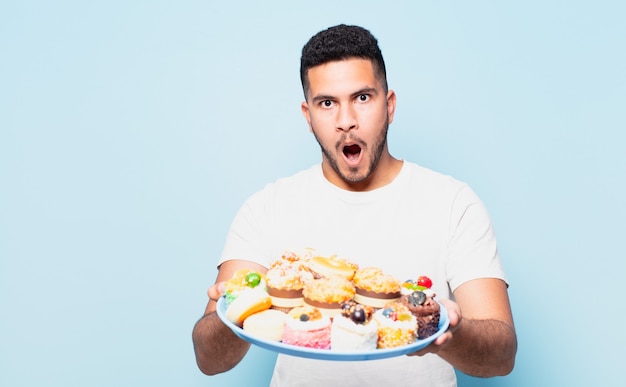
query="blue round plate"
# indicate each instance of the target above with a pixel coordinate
(329, 354)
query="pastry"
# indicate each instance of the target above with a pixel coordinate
(375, 288)
(242, 280)
(332, 266)
(354, 329)
(245, 294)
(267, 324)
(285, 280)
(327, 294)
(422, 283)
(396, 325)
(306, 326)
(426, 311)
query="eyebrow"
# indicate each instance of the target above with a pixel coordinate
(365, 90)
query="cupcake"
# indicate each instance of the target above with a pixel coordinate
(396, 326)
(328, 294)
(306, 326)
(354, 329)
(423, 283)
(285, 281)
(375, 288)
(426, 311)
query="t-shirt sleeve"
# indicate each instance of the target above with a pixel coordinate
(246, 238)
(472, 247)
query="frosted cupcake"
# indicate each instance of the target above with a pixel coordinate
(426, 311)
(354, 329)
(396, 326)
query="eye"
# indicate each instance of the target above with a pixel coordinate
(327, 103)
(363, 97)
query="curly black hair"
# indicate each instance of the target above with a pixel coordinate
(339, 43)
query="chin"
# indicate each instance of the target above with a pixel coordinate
(354, 177)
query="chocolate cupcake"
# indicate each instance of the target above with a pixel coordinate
(426, 310)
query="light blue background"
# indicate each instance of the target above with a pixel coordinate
(131, 132)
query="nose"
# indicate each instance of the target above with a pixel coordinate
(346, 118)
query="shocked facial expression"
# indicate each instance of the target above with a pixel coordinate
(349, 112)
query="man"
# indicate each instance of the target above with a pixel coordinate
(364, 204)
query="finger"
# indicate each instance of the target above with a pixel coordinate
(444, 338)
(216, 291)
(435, 346)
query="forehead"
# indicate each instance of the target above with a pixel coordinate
(343, 77)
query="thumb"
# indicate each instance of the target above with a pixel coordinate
(216, 291)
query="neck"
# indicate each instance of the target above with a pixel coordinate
(386, 170)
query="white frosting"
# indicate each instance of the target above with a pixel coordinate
(386, 322)
(345, 335)
(308, 325)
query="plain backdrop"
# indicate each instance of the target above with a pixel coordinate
(132, 131)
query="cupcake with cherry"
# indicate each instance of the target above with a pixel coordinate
(422, 283)
(420, 300)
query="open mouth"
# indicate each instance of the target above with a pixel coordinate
(352, 152)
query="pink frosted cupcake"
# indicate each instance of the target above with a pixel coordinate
(306, 326)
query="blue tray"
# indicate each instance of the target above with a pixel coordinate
(329, 354)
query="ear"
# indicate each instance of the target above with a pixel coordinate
(391, 104)
(307, 114)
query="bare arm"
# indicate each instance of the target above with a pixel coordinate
(482, 340)
(216, 347)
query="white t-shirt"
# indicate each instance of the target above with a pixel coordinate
(422, 223)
